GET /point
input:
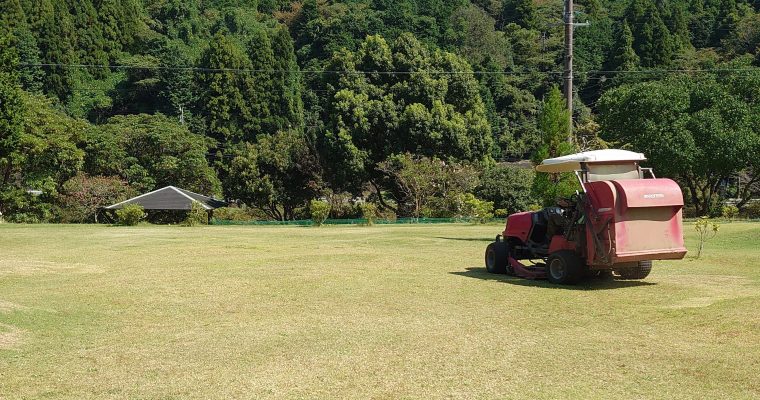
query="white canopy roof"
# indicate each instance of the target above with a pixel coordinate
(573, 162)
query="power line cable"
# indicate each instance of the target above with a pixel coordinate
(248, 70)
(339, 72)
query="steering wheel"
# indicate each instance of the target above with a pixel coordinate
(563, 202)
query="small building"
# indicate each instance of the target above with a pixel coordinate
(171, 198)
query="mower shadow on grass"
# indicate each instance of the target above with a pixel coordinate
(466, 239)
(586, 284)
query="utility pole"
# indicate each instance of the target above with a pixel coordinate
(569, 64)
(569, 30)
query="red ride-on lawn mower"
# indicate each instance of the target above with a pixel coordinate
(623, 219)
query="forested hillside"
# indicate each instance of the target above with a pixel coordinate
(272, 104)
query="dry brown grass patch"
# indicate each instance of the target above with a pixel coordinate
(10, 337)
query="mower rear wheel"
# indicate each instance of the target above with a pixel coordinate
(638, 272)
(496, 258)
(564, 267)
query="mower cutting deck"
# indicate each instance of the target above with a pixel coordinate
(623, 219)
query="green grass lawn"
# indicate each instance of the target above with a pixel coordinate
(361, 312)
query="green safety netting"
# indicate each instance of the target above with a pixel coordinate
(359, 221)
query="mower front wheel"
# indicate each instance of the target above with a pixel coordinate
(496, 258)
(564, 267)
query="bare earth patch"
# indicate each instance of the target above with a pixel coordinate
(712, 289)
(10, 337)
(7, 306)
(30, 267)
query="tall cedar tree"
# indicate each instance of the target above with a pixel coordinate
(51, 22)
(260, 95)
(109, 14)
(119, 20)
(681, 37)
(657, 50)
(225, 89)
(177, 85)
(179, 19)
(651, 37)
(11, 112)
(624, 58)
(520, 12)
(12, 16)
(89, 36)
(13, 21)
(726, 20)
(552, 121)
(287, 107)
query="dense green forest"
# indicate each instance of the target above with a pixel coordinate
(419, 107)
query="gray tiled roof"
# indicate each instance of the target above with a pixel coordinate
(170, 198)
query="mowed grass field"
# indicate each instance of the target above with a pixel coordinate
(361, 312)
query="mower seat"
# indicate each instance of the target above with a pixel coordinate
(540, 224)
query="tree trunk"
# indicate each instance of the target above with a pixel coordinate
(708, 192)
(746, 194)
(699, 249)
(6, 173)
(273, 212)
(693, 193)
(380, 197)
